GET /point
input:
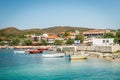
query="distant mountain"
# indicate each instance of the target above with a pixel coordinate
(55, 30)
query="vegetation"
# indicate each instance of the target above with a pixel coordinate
(15, 41)
(108, 35)
(69, 41)
(27, 42)
(117, 38)
(59, 29)
(43, 42)
(80, 37)
(118, 33)
(2, 43)
(13, 36)
(58, 42)
(66, 34)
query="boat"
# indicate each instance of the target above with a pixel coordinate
(77, 57)
(19, 51)
(43, 48)
(54, 55)
(34, 51)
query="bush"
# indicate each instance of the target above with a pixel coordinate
(69, 41)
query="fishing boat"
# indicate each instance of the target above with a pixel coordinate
(77, 57)
(19, 51)
(34, 51)
(54, 55)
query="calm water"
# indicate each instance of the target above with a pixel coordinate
(32, 67)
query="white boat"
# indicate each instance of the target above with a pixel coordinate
(19, 51)
(56, 55)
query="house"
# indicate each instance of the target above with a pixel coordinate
(103, 42)
(35, 38)
(51, 39)
(94, 33)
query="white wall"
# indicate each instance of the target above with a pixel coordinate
(103, 42)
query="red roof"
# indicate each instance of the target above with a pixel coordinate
(94, 32)
(53, 36)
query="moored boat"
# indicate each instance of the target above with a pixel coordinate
(77, 57)
(43, 48)
(55, 55)
(34, 51)
(19, 51)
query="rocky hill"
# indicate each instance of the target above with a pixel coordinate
(59, 29)
(10, 30)
(55, 30)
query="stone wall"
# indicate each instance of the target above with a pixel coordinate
(104, 49)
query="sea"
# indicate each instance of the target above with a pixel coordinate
(34, 67)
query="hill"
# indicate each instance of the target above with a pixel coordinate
(59, 29)
(33, 31)
(54, 30)
(10, 30)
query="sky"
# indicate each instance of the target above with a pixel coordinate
(27, 14)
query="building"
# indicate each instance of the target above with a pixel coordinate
(94, 33)
(45, 35)
(51, 39)
(103, 42)
(35, 38)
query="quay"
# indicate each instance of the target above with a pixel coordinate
(72, 48)
(109, 52)
(102, 49)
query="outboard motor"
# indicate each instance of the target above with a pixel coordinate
(68, 56)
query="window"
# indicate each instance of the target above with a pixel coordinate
(107, 41)
(103, 41)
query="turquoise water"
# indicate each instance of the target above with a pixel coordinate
(32, 67)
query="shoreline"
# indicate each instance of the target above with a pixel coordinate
(22, 47)
(107, 56)
(110, 57)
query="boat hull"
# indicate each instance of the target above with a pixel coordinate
(78, 57)
(35, 51)
(53, 55)
(19, 51)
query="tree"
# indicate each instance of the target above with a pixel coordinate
(80, 37)
(117, 38)
(2, 43)
(70, 41)
(118, 33)
(108, 35)
(15, 41)
(44, 42)
(27, 42)
(66, 34)
(58, 42)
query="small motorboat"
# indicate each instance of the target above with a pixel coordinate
(34, 51)
(77, 57)
(19, 51)
(54, 55)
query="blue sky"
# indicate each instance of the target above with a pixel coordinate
(26, 14)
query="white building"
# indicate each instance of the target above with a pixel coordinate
(103, 42)
(45, 35)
